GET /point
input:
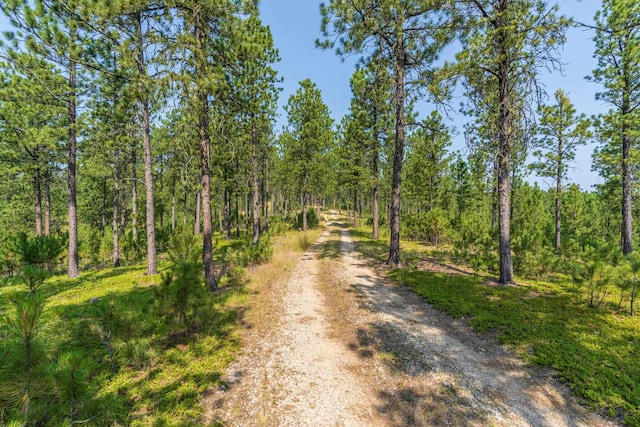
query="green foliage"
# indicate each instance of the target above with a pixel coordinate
(153, 381)
(41, 251)
(24, 359)
(312, 219)
(133, 248)
(182, 292)
(432, 226)
(593, 351)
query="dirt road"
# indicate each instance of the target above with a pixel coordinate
(352, 349)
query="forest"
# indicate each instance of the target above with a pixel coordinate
(143, 174)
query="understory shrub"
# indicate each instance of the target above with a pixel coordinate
(181, 291)
(312, 219)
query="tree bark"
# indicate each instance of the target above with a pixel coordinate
(148, 166)
(559, 194)
(304, 211)
(256, 188)
(123, 211)
(376, 177)
(627, 230)
(504, 164)
(47, 207)
(73, 269)
(116, 199)
(103, 223)
(398, 154)
(134, 193)
(205, 147)
(173, 205)
(227, 214)
(37, 189)
(355, 209)
(196, 220)
(265, 203)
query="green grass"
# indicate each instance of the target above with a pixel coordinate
(158, 378)
(596, 351)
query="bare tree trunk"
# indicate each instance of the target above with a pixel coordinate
(184, 207)
(559, 194)
(255, 184)
(376, 177)
(148, 176)
(134, 193)
(205, 147)
(265, 198)
(627, 230)
(103, 224)
(504, 168)
(123, 209)
(221, 214)
(227, 214)
(37, 189)
(237, 215)
(494, 195)
(73, 269)
(173, 205)
(398, 155)
(304, 211)
(355, 209)
(116, 198)
(196, 221)
(47, 207)
(247, 196)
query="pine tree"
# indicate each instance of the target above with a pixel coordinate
(561, 132)
(308, 134)
(507, 43)
(618, 53)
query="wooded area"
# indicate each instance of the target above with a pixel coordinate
(126, 126)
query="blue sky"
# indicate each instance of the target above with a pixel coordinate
(295, 25)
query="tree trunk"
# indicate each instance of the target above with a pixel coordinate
(123, 210)
(627, 244)
(103, 223)
(184, 206)
(255, 172)
(398, 154)
(73, 270)
(504, 168)
(559, 195)
(148, 166)
(196, 220)
(116, 198)
(355, 209)
(227, 214)
(173, 205)
(220, 214)
(304, 211)
(205, 147)
(47, 207)
(134, 193)
(247, 201)
(37, 189)
(237, 215)
(376, 176)
(265, 199)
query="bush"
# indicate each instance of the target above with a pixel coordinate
(182, 290)
(24, 360)
(312, 219)
(432, 226)
(250, 254)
